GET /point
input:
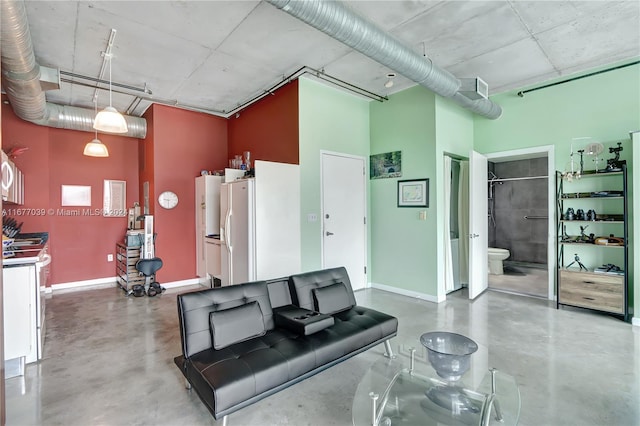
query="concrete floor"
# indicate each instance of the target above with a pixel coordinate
(521, 279)
(109, 360)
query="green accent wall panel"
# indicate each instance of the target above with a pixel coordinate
(403, 249)
(329, 120)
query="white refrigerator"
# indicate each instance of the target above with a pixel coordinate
(260, 224)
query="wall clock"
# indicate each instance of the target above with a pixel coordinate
(168, 200)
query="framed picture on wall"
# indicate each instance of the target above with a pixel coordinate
(387, 165)
(413, 193)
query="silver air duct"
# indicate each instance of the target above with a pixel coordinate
(21, 80)
(338, 21)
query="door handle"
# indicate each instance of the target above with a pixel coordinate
(473, 235)
(329, 233)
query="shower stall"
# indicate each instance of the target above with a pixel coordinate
(518, 221)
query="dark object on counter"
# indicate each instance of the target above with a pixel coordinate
(10, 227)
(591, 215)
(580, 214)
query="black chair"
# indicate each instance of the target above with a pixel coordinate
(148, 268)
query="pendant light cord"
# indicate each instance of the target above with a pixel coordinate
(95, 108)
(109, 57)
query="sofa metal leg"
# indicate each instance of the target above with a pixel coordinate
(187, 384)
(387, 350)
(224, 421)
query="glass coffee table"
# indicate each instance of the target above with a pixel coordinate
(396, 392)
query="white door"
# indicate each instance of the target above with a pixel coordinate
(478, 225)
(344, 215)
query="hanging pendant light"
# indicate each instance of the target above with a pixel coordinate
(109, 119)
(95, 147)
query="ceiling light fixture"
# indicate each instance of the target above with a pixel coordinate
(95, 147)
(390, 77)
(109, 120)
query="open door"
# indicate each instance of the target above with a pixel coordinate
(478, 225)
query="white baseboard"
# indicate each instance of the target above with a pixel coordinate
(111, 282)
(97, 282)
(409, 293)
(182, 283)
(635, 321)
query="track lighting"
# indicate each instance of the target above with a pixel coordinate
(390, 77)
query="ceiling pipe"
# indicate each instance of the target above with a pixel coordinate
(21, 80)
(340, 22)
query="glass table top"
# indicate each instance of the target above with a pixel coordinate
(393, 393)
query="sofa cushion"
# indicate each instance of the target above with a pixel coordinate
(302, 285)
(234, 325)
(194, 308)
(331, 299)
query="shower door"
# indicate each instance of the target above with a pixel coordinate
(478, 225)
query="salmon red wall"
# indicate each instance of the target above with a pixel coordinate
(183, 143)
(268, 128)
(78, 241)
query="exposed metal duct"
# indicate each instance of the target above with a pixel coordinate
(340, 22)
(21, 80)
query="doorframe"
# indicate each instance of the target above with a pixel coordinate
(323, 152)
(524, 153)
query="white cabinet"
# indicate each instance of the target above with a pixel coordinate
(207, 216)
(19, 309)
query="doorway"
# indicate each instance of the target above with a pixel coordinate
(520, 195)
(343, 194)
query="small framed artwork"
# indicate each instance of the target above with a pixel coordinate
(76, 195)
(387, 165)
(114, 198)
(413, 193)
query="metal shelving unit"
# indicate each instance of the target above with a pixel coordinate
(600, 291)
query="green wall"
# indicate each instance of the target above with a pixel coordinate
(605, 107)
(404, 252)
(454, 135)
(329, 120)
(403, 248)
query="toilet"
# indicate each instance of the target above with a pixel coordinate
(496, 256)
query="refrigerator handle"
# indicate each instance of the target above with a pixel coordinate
(227, 225)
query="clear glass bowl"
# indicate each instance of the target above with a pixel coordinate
(449, 353)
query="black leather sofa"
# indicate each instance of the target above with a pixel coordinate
(244, 342)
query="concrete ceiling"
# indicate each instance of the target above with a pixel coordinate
(215, 55)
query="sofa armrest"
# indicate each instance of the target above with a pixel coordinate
(301, 321)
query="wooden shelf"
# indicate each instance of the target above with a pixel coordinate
(589, 245)
(591, 221)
